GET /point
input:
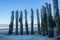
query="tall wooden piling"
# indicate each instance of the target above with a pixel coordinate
(16, 22)
(26, 22)
(44, 21)
(21, 23)
(56, 17)
(32, 21)
(38, 22)
(49, 20)
(11, 23)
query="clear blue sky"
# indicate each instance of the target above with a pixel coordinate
(6, 6)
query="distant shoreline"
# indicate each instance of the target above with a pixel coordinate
(14, 24)
(4, 27)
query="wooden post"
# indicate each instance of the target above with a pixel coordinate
(26, 23)
(49, 20)
(16, 22)
(44, 21)
(21, 24)
(32, 21)
(38, 22)
(56, 17)
(11, 23)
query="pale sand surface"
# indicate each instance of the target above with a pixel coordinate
(4, 36)
(4, 31)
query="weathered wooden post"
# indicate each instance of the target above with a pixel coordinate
(56, 16)
(49, 20)
(38, 22)
(44, 21)
(26, 23)
(32, 21)
(42, 26)
(17, 22)
(11, 23)
(21, 23)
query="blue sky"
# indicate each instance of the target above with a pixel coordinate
(6, 6)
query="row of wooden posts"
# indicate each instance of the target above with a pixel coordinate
(26, 22)
(47, 20)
